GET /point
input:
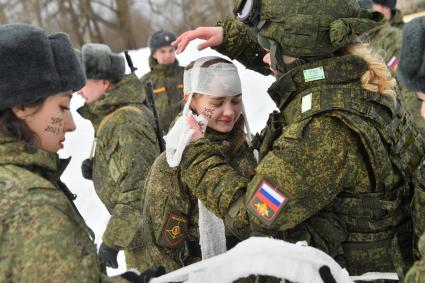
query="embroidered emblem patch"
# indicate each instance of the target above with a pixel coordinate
(174, 231)
(266, 203)
(393, 64)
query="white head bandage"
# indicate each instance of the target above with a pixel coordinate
(219, 79)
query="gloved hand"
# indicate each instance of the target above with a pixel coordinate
(108, 256)
(145, 276)
(87, 168)
(326, 274)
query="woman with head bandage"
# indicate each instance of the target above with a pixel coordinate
(178, 230)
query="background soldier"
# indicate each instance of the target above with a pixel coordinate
(411, 73)
(387, 40)
(166, 76)
(126, 147)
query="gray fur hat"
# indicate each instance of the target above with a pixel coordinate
(100, 63)
(411, 67)
(35, 65)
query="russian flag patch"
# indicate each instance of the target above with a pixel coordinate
(393, 64)
(266, 203)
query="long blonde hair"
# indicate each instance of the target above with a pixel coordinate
(378, 77)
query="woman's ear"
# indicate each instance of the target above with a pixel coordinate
(20, 112)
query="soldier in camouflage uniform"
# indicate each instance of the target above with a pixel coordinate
(166, 76)
(387, 39)
(339, 173)
(126, 147)
(43, 238)
(170, 210)
(411, 73)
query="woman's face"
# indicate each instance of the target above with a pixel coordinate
(221, 112)
(50, 121)
(421, 98)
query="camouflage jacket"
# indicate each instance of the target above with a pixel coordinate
(416, 273)
(126, 147)
(167, 81)
(171, 211)
(43, 238)
(329, 178)
(397, 19)
(387, 38)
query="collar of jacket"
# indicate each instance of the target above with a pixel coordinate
(22, 154)
(166, 70)
(397, 19)
(129, 91)
(337, 70)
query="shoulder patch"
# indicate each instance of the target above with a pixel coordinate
(266, 203)
(393, 64)
(174, 231)
(159, 90)
(315, 74)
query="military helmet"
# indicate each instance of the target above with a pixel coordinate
(160, 39)
(307, 28)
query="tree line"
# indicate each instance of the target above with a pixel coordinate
(125, 24)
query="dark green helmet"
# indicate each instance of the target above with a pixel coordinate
(308, 28)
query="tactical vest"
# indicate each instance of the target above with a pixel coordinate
(394, 149)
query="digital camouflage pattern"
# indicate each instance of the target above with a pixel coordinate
(397, 19)
(240, 42)
(416, 273)
(314, 28)
(333, 181)
(166, 196)
(126, 147)
(43, 238)
(167, 81)
(386, 39)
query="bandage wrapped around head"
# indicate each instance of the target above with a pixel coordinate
(219, 79)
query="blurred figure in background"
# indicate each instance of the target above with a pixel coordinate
(166, 76)
(411, 73)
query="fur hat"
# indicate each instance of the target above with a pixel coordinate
(100, 63)
(411, 67)
(35, 65)
(160, 39)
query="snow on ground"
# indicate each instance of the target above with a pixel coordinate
(257, 104)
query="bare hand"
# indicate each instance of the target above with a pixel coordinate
(196, 127)
(212, 35)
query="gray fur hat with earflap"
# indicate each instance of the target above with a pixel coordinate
(100, 63)
(411, 66)
(35, 65)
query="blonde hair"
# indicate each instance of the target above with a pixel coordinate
(378, 77)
